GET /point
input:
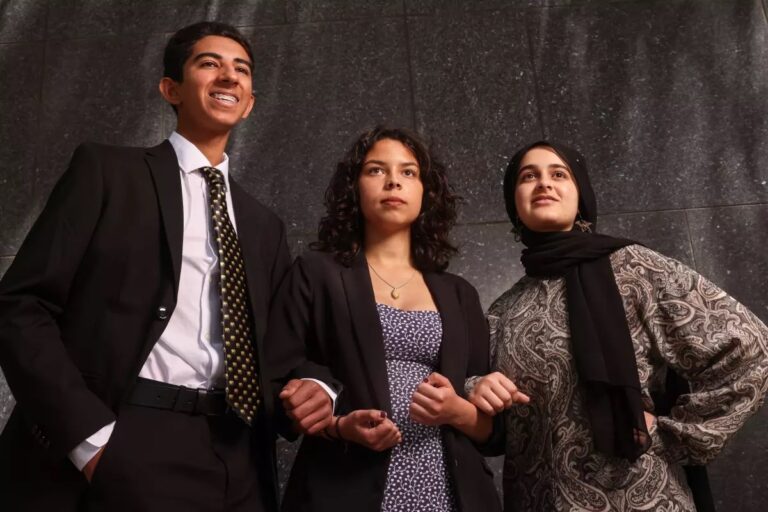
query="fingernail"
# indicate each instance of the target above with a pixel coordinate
(426, 379)
(383, 414)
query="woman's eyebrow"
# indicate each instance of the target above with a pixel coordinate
(379, 162)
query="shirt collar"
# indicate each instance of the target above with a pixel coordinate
(190, 158)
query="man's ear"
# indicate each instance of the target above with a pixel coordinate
(169, 89)
(251, 103)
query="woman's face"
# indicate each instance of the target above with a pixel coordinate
(546, 195)
(390, 187)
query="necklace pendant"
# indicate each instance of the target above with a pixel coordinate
(394, 293)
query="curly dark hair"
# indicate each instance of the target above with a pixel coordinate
(341, 230)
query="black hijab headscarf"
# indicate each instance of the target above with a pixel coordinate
(602, 346)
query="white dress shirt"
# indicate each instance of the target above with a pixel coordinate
(189, 351)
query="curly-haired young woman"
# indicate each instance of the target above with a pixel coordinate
(372, 302)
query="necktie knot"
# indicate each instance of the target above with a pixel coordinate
(213, 176)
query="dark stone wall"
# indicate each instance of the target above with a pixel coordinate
(666, 98)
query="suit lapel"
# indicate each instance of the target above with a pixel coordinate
(165, 173)
(453, 350)
(367, 327)
(249, 228)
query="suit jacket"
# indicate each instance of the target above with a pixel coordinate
(88, 295)
(326, 312)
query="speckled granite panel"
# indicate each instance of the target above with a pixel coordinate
(299, 244)
(90, 18)
(101, 90)
(489, 258)
(22, 20)
(286, 453)
(318, 86)
(666, 99)
(6, 399)
(6, 402)
(334, 10)
(664, 232)
(5, 262)
(474, 94)
(729, 246)
(456, 7)
(737, 476)
(20, 64)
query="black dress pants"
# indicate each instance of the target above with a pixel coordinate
(165, 461)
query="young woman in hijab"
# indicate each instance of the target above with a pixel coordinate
(593, 334)
(374, 305)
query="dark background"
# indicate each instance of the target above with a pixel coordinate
(667, 99)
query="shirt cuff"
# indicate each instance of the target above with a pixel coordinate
(327, 389)
(84, 452)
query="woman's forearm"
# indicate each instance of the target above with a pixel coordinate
(470, 421)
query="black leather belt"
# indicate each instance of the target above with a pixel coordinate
(160, 395)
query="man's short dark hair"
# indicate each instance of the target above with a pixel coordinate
(179, 47)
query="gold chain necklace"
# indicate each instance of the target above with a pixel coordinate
(394, 293)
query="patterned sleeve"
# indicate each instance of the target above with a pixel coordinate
(715, 343)
(493, 325)
(496, 443)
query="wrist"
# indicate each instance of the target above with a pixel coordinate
(473, 423)
(337, 428)
(462, 413)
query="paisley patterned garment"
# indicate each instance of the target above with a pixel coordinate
(677, 319)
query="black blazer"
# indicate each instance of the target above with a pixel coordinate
(88, 295)
(326, 312)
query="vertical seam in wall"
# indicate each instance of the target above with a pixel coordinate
(39, 128)
(410, 68)
(764, 4)
(690, 239)
(537, 92)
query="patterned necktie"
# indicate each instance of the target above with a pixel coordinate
(242, 388)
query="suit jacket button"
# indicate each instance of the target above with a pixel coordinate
(162, 313)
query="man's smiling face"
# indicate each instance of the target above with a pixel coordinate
(216, 92)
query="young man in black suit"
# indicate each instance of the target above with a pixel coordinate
(132, 319)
